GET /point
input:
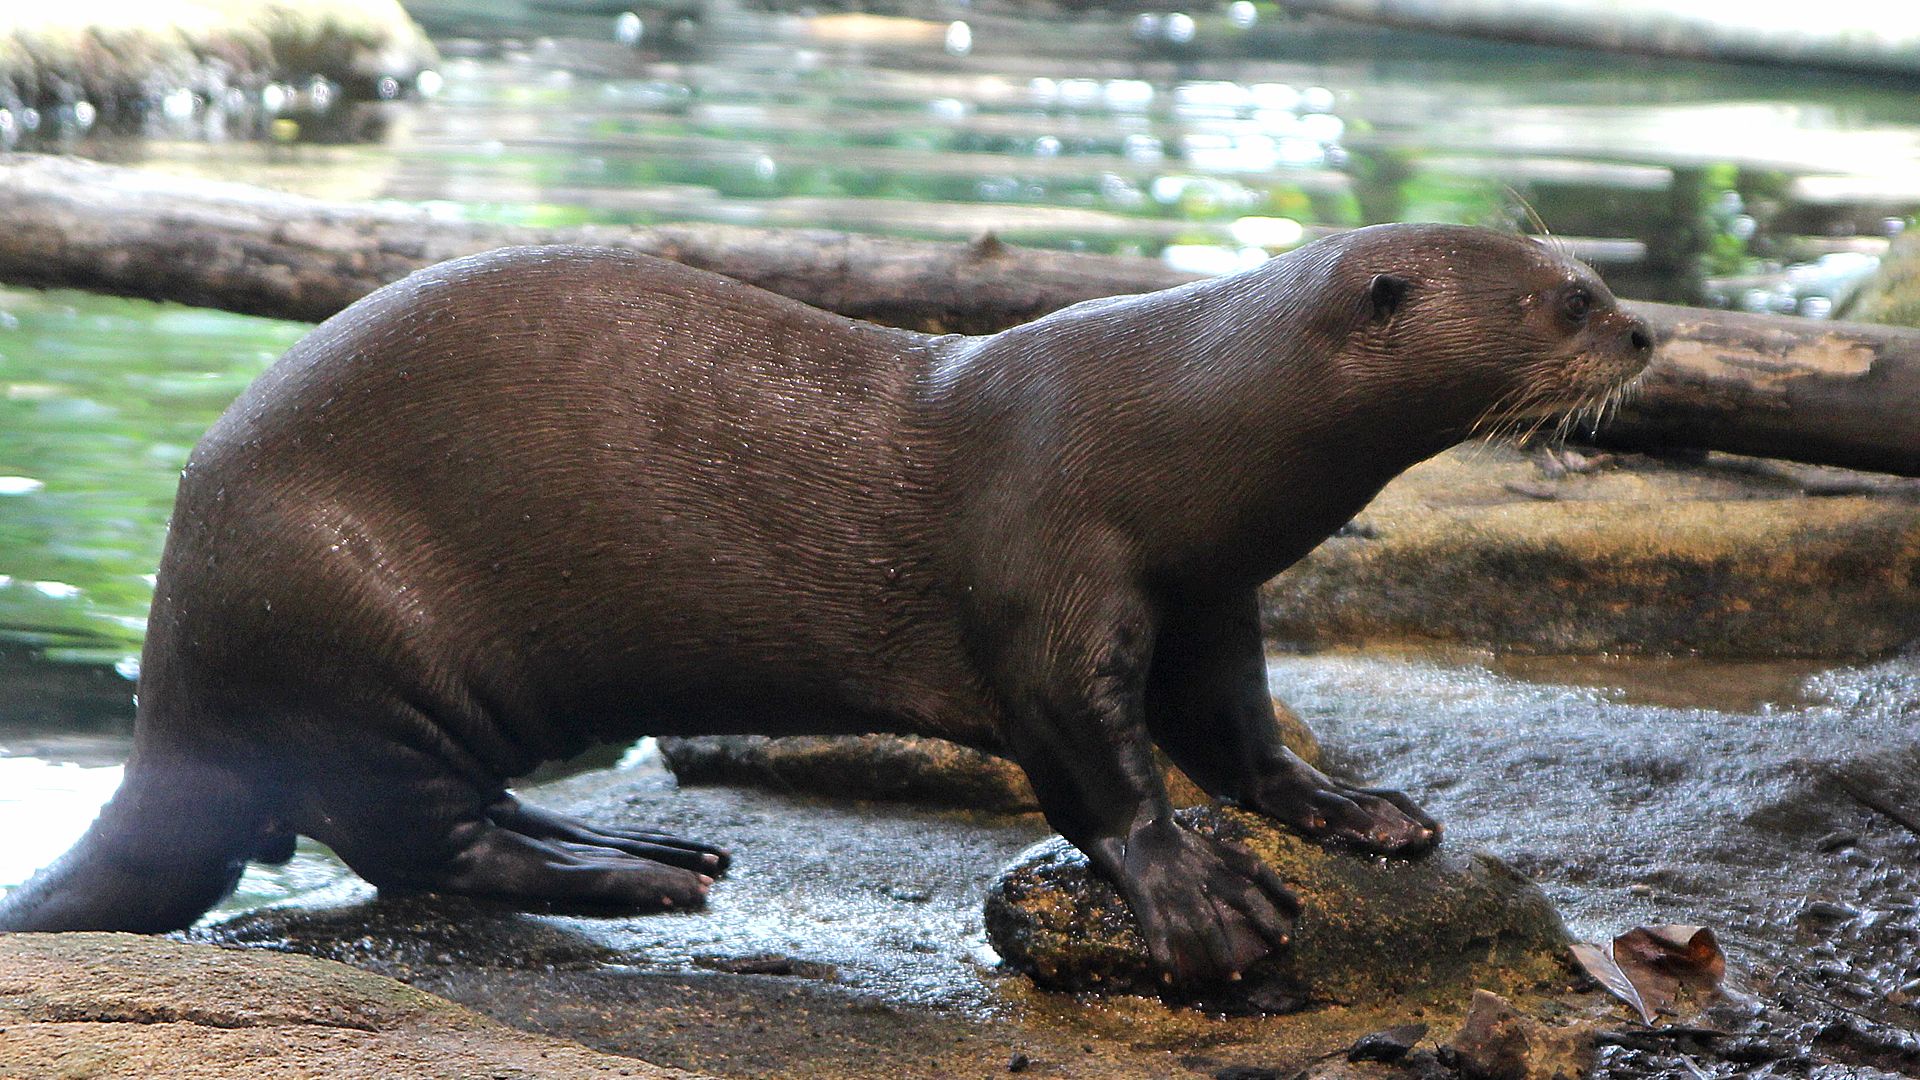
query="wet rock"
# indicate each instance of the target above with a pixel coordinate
(1370, 928)
(1496, 1042)
(121, 1005)
(769, 964)
(903, 768)
(1422, 1065)
(1389, 1045)
(1719, 559)
(405, 936)
(1826, 911)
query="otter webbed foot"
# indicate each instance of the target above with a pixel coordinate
(1374, 820)
(537, 860)
(1207, 908)
(556, 876)
(537, 824)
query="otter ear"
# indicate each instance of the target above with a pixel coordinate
(1384, 294)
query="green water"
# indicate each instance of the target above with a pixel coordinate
(100, 400)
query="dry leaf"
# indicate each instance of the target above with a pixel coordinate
(1646, 966)
(1597, 961)
(1690, 954)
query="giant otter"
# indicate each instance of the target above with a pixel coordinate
(533, 499)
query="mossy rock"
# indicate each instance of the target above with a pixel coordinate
(1427, 929)
(1476, 547)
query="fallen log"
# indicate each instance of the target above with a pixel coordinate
(69, 223)
(1825, 393)
(1877, 39)
(1772, 386)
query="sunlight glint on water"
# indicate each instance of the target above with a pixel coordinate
(44, 807)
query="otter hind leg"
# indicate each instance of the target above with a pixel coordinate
(409, 820)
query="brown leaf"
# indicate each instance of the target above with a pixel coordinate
(1597, 961)
(1690, 954)
(1646, 966)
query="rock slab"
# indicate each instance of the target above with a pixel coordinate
(1431, 928)
(119, 1005)
(1497, 1042)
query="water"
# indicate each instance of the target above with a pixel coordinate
(1688, 182)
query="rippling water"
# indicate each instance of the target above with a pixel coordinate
(1763, 189)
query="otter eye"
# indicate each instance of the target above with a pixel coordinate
(1576, 304)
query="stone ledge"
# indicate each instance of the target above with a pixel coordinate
(1730, 558)
(98, 1005)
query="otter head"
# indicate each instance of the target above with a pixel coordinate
(1481, 329)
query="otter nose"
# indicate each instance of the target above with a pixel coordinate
(1640, 335)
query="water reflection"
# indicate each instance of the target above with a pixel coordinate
(1683, 182)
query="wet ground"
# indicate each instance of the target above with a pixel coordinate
(1764, 800)
(1776, 810)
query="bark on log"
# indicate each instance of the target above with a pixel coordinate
(1825, 393)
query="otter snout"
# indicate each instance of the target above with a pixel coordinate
(1640, 337)
(1634, 341)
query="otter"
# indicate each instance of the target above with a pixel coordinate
(539, 498)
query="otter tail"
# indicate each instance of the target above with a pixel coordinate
(168, 846)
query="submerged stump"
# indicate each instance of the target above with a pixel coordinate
(899, 768)
(1432, 928)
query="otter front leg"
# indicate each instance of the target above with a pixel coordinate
(1207, 706)
(1073, 692)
